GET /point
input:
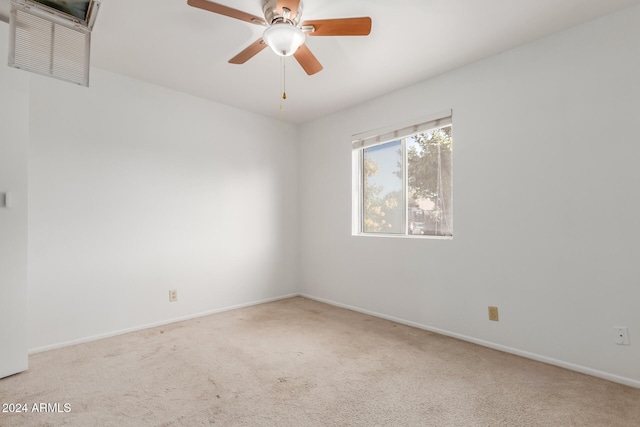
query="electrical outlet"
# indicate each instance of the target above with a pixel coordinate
(621, 336)
(493, 313)
(173, 295)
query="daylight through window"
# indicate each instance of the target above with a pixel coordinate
(402, 180)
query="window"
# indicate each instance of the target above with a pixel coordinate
(402, 180)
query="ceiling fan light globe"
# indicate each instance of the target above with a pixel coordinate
(284, 39)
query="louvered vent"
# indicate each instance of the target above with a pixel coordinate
(46, 44)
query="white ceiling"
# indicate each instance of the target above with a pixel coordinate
(171, 44)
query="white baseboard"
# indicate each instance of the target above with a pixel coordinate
(533, 356)
(154, 324)
(539, 358)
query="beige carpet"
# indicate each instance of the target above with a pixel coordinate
(302, 363)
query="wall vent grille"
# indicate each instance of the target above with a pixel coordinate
(47, 45)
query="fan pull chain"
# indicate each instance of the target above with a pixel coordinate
(283, 84)
(284, 77)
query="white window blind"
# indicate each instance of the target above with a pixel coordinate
(400, 130)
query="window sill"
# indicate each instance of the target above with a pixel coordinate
(403, 236)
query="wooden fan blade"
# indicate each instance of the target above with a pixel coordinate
(307, 60)
(226, 11)
(339, 27)
(292, 5)
(251, 51)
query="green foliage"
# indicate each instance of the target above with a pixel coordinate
(429, 176)
(429, 181)
(382, 214)
(374, 220)
(423, 156)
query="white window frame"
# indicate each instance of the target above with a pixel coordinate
(398, 131)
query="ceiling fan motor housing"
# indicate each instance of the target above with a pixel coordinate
(272, 15)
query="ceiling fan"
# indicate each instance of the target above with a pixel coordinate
(284, 32)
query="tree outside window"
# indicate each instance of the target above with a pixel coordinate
(407, 185)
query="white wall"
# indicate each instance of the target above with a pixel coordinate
(14, 140)
(546, 204)
(135, 190)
